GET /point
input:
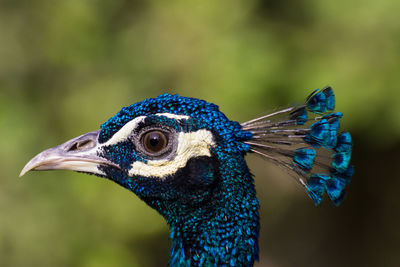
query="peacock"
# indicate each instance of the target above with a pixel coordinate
(186, 159)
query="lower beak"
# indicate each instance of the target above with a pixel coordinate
(77, 154)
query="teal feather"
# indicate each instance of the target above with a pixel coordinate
(319, 134)
(304, 158)
(335, 189)
(316, 186)
(317, 102)
(307, 142)
(341, 161)
(344, 142)
(330, 98)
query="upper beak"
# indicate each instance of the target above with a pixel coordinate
(77, 154)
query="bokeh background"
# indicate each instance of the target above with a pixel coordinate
(67, 66)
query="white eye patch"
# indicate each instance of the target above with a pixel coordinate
(127, 129)
(190, 145)
(173, 116)
(124, 132)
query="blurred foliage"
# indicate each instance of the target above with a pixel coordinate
(67, 66)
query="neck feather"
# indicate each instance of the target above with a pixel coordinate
(223, 230)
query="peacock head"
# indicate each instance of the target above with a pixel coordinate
(167, 150)
(185, 159)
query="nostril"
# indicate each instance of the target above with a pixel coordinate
(73, 147)
(80, 145)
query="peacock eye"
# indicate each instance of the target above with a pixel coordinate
(154, 141)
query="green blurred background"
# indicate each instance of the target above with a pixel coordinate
(67, 66)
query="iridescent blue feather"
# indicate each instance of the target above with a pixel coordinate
(304, 158)
(308, 143)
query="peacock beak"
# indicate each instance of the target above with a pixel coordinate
(77, 154)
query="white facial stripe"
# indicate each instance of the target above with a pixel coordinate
(81, 166)
(173, 116)
(127, 129)
(124, 132)
(190, 145)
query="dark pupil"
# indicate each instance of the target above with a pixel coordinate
(155, 141)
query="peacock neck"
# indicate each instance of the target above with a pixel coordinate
(223, 230)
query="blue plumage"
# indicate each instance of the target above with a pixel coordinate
(304, 158)
(276, 138)
(321, 101)
(344, 143)
(319, 133)
(301, 116)
(316, 186)
(341, 161)
(317, 102)
(335, 189)
(334, 124)
(185, 159)
(330, 98)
